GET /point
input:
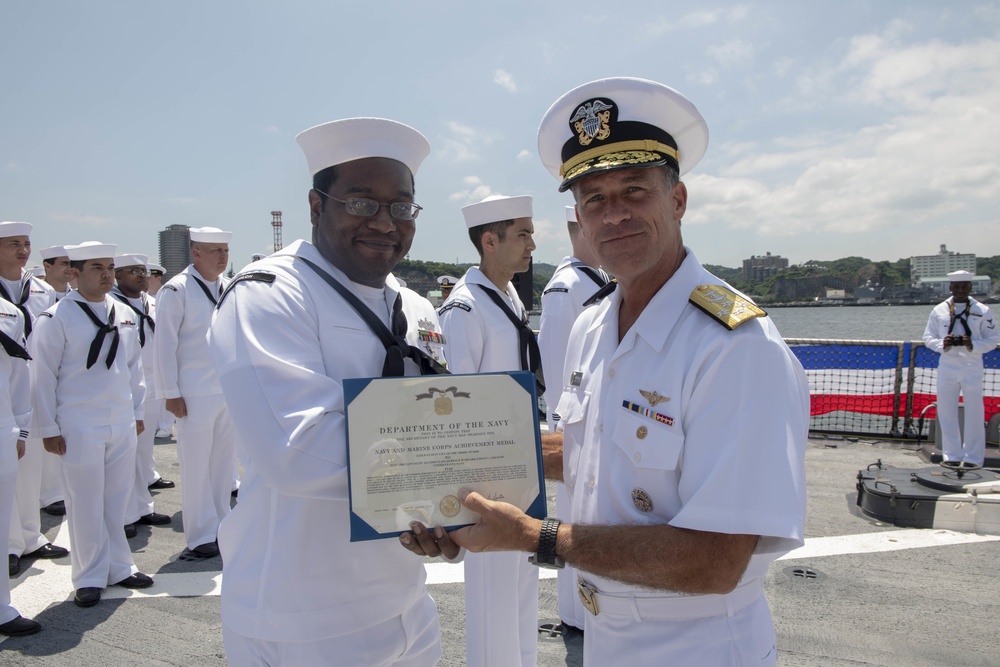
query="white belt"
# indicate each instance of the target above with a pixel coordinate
(674, 607)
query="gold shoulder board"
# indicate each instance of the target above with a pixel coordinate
(726, 306)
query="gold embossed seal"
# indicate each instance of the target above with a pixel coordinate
(449, 506)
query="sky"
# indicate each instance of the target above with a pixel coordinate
(836, 129)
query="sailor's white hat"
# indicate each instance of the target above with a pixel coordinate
(210, 235)
(52, 252)
(90, 250)
(131, 259)
(496, 208)
(8, 229)
(447, 281)
(960, 277)
(620, 123)
(350, 139)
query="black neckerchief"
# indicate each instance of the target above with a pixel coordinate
(396, 347)
(25, 293)
(599, 277)
(103, 329)
(143, 314)
(963, 318)
(531, 358)
(204, 288)
(13, 348)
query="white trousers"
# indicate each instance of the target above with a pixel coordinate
(206, 450)
(25, 532)
(501, 610)
(140, 501)
(410, 640)
(967, 380)
(744, 638)
(50, 489)
(98, 469)
(569, 605)
(8, 486)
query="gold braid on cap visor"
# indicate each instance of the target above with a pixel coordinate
(635, 148)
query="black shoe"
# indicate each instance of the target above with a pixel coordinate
(13, 565)
(201, 552)
(130, 531)
(20, 627)
(87, 597)
(48, 551)
(161, 484)
(57, 508)
(154, 519)
(137, 580)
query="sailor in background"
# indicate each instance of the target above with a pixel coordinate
(59, 276)
(187, 380)
(424, 331)
(131, 281)
(88, 388)
(486, 326)
(447, 284)
(961, 330)
(287, 332)
(165, 421)
(31, 296)
(574, 281)
(684, 412)
(15, 418)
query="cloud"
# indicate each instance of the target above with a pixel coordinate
(475, 190)
(83, 219)
(505, 80)
(698, 19)
(524, 154)
(12, 168)
(271, 129)
(733, 52)
(926, 156)
(464, 142)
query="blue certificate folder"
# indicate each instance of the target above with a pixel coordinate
(442, 391)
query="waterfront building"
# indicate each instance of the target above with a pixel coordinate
(758, 268)
(940, 265)
(941, 286)
(175, 250)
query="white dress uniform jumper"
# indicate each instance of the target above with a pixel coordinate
(501, 588)
(88, 387)
(206, 437)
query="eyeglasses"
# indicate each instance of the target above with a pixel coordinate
(136, 271)
(366, 208)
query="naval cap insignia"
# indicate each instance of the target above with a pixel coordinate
(654, 397)
(641, 500)
(591, 121)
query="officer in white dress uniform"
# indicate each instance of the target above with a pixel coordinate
(575, 280)
(131, 282)
(15, 418)
(31, 296)
(58, 275)
(501, 589)
(685, 414)
(88, 388)
(297, 590)
(186, 379)
(961, 330)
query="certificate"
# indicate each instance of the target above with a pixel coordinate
(413, 442)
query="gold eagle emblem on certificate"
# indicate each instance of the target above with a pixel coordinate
(449, 506)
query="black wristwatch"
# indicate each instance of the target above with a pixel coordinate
(546, 554)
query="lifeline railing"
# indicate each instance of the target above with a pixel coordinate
(878, 388)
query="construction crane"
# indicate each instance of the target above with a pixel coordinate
(276, 224)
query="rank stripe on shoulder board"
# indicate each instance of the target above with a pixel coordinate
(724, 305)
